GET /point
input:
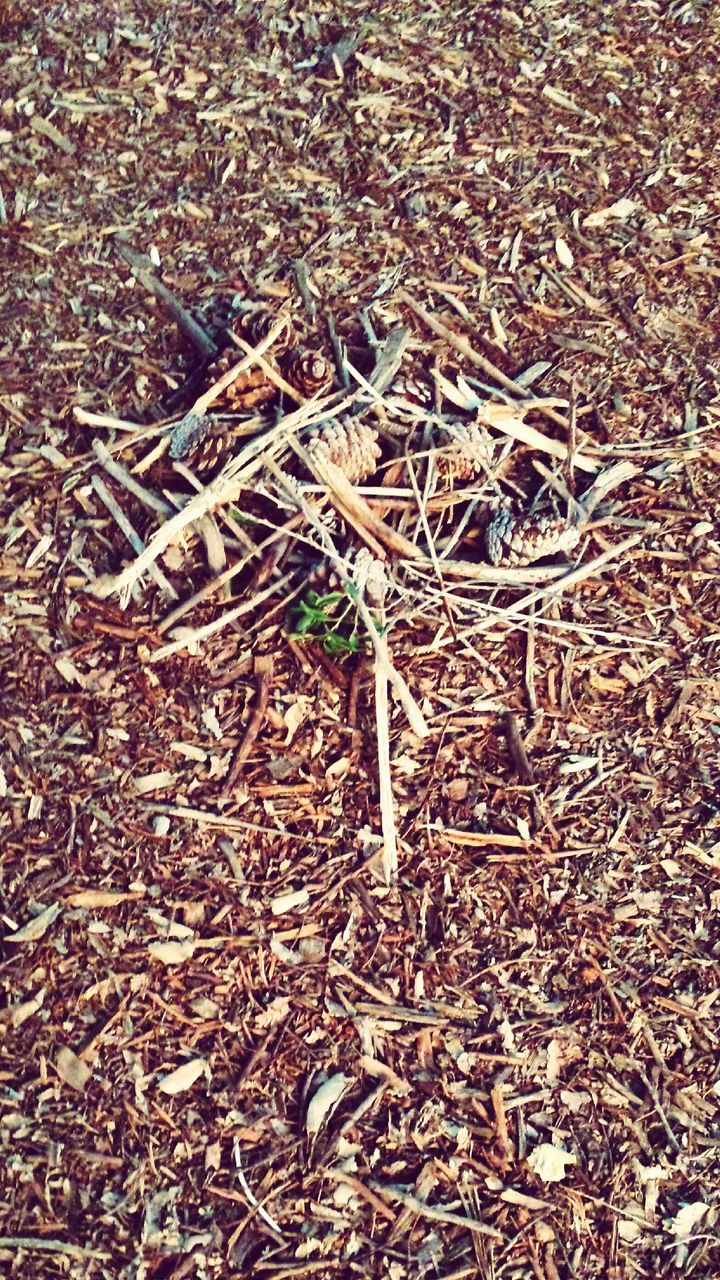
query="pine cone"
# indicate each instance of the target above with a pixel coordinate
(250, 388)
(518, 540)
(408, 388)
(350, 444)
(256, 326)
(209, 454)
(310, 373)
(468, 450)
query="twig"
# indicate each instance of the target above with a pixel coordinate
(100, 586)
(336, 55)
(302, 280)
(224, 487)
(551, 591)
(189, 326)
(433, 1212)
(387, 802)
(108, 420)
(530, 665)
(210, 628)
(275, 377)
(46, 1245)
(379, 643)
(463, 346)
(203, 402)
(263, 668)
(338, 351)
(517, 748)
(253, 1200)
(226, 576)
(120, 473)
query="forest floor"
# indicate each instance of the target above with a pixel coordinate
(228, 1046)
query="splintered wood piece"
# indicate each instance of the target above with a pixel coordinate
(263, 668)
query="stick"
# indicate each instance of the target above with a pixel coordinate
(338, 351)
(302, 280)
(211, 587)
(434, 1212)
(379, 643)
(336, 55)
(107, 420)
(523, 768)
(226, 486)
(210, 628)
(388, 362)
(387, 802)
(142, 267)
(133, 537)
(128, 481)
(464, 348)
(263, 668)
(275, 377)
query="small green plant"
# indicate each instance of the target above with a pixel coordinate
(330, 619)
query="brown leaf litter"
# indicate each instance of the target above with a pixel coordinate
(230, 1044)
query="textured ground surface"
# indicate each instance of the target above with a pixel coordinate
(507, 1013)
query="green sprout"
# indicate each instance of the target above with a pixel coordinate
(330, 619)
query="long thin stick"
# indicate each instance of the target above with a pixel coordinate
(120, 473)
(131, 534)
(461, 345)
(387, 801)
(142, 267)
(417, 720)
(210, 628)
(433, 1212)
(263, 668)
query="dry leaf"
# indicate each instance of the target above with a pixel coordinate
(384, 70)
(289, 901)
(688, 1218)
(549, 1162)
(37, 927)
(325, 1100)
(620, 209)
(16, 1014)
(172, 952)
(91, 898)
(277, 1011)
(39, 550)
(72, 1070)
(295, 715)
(154, 781)
(184, 1076)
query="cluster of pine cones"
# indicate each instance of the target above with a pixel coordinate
(464, 449)
(307, 372)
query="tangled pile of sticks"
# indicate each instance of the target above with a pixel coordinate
(310, 434)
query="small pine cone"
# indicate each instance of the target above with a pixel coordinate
(310, 373)
(257, 326)
(407, 388)
(518, 540)
(350, 444)
(468, 450)
(250, 388)
(209, 454)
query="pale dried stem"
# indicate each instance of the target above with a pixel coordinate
(100, 586)
(123, 477)
(197, 634)
(382, 655)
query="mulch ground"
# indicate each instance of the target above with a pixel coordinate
(226, 1046)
